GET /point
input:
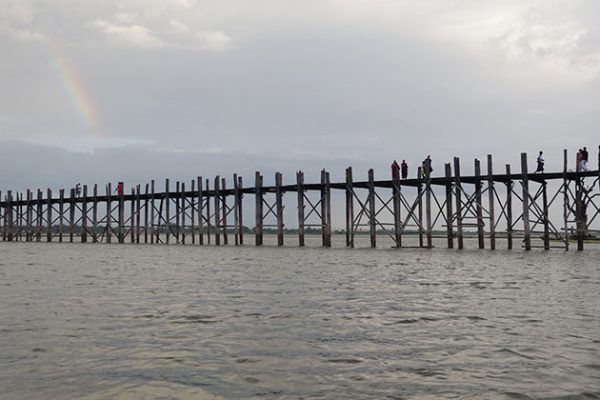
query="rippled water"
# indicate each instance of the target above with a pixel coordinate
(134, 322)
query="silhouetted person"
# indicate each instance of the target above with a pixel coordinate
(540, 162)
(78, 190)
(427, 166)
(395, 170)
(579, 164)
(584, 159)
(119, 189)
(404, 169)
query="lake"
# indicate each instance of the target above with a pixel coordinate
(129, 321)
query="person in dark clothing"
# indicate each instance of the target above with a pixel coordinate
(404, 168)
(427, 166)
(584, 159)
(395, 170)
(540, 163)
(119, 189)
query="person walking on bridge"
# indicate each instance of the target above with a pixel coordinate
(395, 171)
(540, 163)
(404, 169)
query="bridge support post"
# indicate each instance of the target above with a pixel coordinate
(525, 184)
(478, 208)
(449, 215)
(279, 207)
(372, 218)
(349, 208)
(509, 219)
(300, 192)
(491, 197)
(258, 228)
(459, 215)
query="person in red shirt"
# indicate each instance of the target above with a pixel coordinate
(395, 170)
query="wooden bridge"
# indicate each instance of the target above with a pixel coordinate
(493, 208)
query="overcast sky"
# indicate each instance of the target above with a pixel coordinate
(99, 90)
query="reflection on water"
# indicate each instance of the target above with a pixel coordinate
(136, 322)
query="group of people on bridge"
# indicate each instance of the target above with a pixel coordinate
(402, 169)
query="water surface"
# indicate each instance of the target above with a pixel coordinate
(131, 321)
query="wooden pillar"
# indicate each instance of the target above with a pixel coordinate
(28, 233)
(428, 226)
(372, 217)
(491, 194)
(420, 204)
(217, 212)
(193, 211)
(509, 219)
(525, 183)
(300, 192)
(132, 216)
(579, 212)
(108, 213)
(84, 215)
(72, 216)
(240, 209)
(121, 215)
(167, 200)
(459, 213)
(49, 216)
(200, 208)
(328, 208)
(208, 224)
(545, 216)
(258, 193)
(349, 208)
(8, 215)
(236, 211)
(182, 213)
(565, 190)
(325, 208)
(478, 208)
(61, 214)
(449, 215)
(397, 207)
(177, 199)
(95, 214)
(146, 212)
(152, 210)
(40, 215)
(279, 208)
(224, 209)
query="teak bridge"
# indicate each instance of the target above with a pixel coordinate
(449, 208)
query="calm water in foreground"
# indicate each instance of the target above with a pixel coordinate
(135, 322)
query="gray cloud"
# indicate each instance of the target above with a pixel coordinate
(282, 87)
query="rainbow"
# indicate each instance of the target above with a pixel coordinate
(75, 89)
